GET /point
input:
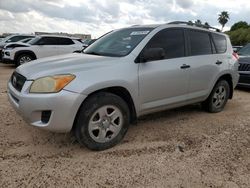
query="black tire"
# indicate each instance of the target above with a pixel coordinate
(87, 112)
(20, 57)
(213, 99)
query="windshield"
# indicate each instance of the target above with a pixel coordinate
(6, 38)
(245, 51)
(34, 40)
(118, 43)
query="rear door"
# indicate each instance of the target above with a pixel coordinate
(45, 47)
(164, 82)
(205, 63)
(66, 45)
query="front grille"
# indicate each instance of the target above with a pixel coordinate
(244, 67)
(245, 79)
(17, 81)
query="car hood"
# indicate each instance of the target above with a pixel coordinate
(63, 64)
(243, 56)
(244, 60)
(17, 44)
(2, 44)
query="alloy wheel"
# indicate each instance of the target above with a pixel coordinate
(105, 123)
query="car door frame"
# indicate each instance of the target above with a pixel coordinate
(148, 108)
(201, 95)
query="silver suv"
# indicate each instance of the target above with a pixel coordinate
(125, 74)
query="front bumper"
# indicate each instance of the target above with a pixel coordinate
(1, 56)
(244, 80)
(7, 61)
(63, 107)
(7, 57)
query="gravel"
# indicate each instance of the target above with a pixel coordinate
(184, 147)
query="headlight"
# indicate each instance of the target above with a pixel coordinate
(51, 84)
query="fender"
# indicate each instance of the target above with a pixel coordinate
(24, 52)
(223, 73)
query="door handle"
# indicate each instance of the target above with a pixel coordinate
(218, 62)
(185, 66)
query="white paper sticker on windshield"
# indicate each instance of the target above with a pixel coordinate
(139, 33)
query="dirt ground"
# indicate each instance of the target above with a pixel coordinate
(185, 147)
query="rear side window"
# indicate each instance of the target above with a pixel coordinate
(200, 43)
(220, 43)
(171, 40)
(48, 41)
(64, 41)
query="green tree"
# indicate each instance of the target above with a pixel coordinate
(223, 18)
(240, 36)
(198, 22)
(206, 25)
(190, 23)
(238, 25)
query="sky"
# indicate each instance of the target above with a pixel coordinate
(97, 17)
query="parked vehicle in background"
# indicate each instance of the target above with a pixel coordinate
(88, 42)
(244, 51)
(12, 38)
(125, 74)
(39, 47)
(244, 70)
(16, 44)
(26, 40)
(237, 48)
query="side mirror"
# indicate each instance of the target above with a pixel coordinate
(153, 54)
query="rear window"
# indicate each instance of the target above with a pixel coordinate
(200, 43)
(220, 43)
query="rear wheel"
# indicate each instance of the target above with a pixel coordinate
(218, 97)
(24, 58)
(102, 121)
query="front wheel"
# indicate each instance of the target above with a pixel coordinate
(102, 121)
(218, 97)
(24, 58)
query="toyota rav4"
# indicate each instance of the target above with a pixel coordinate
(125, 74)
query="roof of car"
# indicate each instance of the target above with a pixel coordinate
(182, 25)
(149, 25)
(61, 36)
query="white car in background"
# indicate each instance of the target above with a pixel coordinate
(39, 47)
(12, 39)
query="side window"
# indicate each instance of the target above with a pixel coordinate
(17, 38)
(200, 43)
(171, 40)
(64, 41)
(220, 43)
(48, 41)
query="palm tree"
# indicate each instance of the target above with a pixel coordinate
(223, 18)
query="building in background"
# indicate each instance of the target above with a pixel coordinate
(77, 35)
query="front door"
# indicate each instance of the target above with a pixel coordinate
(164, 82)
